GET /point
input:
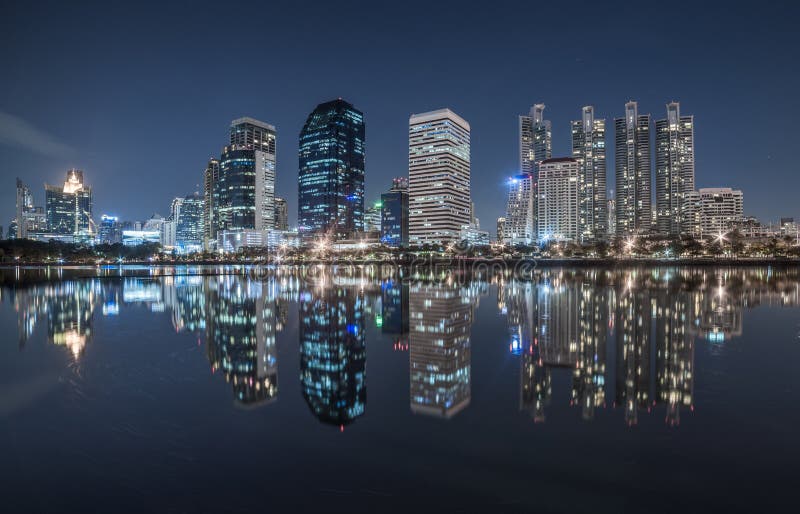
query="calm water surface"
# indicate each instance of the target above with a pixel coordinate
(358, 390)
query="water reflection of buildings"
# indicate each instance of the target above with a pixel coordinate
(394, 312)
(68, 308)
(333, 353)
(648, 320)
(240, 326)
(439, 339)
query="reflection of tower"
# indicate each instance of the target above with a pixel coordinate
(333, 353)
(440, 318)
(535, 383)
(240, 330)
(394, 311)
(588, 387)
(70, 309)
(674, 354)
(557, 307)
(633, 352)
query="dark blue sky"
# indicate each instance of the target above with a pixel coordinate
(139, 96)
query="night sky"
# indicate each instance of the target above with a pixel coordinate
(140, 96)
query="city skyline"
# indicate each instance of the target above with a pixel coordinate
(100, 121)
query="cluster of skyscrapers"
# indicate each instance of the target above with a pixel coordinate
(550, 199)
(565, 198)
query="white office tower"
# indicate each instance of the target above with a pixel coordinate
(518, 227)
(589, 149)
(674, 170)
(438, 177)
(559, 200)
(535, 139)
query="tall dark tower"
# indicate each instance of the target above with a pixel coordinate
(331, 158)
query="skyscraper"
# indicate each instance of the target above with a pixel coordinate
(394, 214)
(439, 177)
(535, 139)
(559, 199)
(281, 214)
(519, 227)
(29, 219)
(535, 145)
(331, 161)
(246, 185)
(211, 197)
(632, 163)
(589, 149)
(69, 207)
(674, 170)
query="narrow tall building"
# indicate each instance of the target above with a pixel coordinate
(439, 177)
(535, 145)
(331, 182)
(589, 149)
(633, 172)
(559, 205)
(674, 170)
(394, 214)
(211, 201)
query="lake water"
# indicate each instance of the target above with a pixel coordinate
(369, 390)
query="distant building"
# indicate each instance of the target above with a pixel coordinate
(190, 224)
(474, 236)
(331, 181)
(281, 214)
(30, 219)
(69, 207)
(439, 177)
(674, 170)
(712, 211)
(372, 217)
(109, 231)
(559, 200)
(138, 237)
(394, 214)
(632, 163)
(501, 224)
(589, 149)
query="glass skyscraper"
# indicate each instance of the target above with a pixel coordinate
(394, 214)
(69, 208)
(331, 161)
(246, 186)
(190, 224)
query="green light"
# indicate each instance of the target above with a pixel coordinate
(379, 321)
(378, 204)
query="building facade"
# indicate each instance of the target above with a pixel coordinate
(674, 170)
(559, 205)
(281, 214)
(394, 214)
(331, 181)
(713, 211)
(439, 177)
(535, 139)
(633, 172)
(589, 149)
(190, 224)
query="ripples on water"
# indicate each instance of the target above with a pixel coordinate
(502, 362)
